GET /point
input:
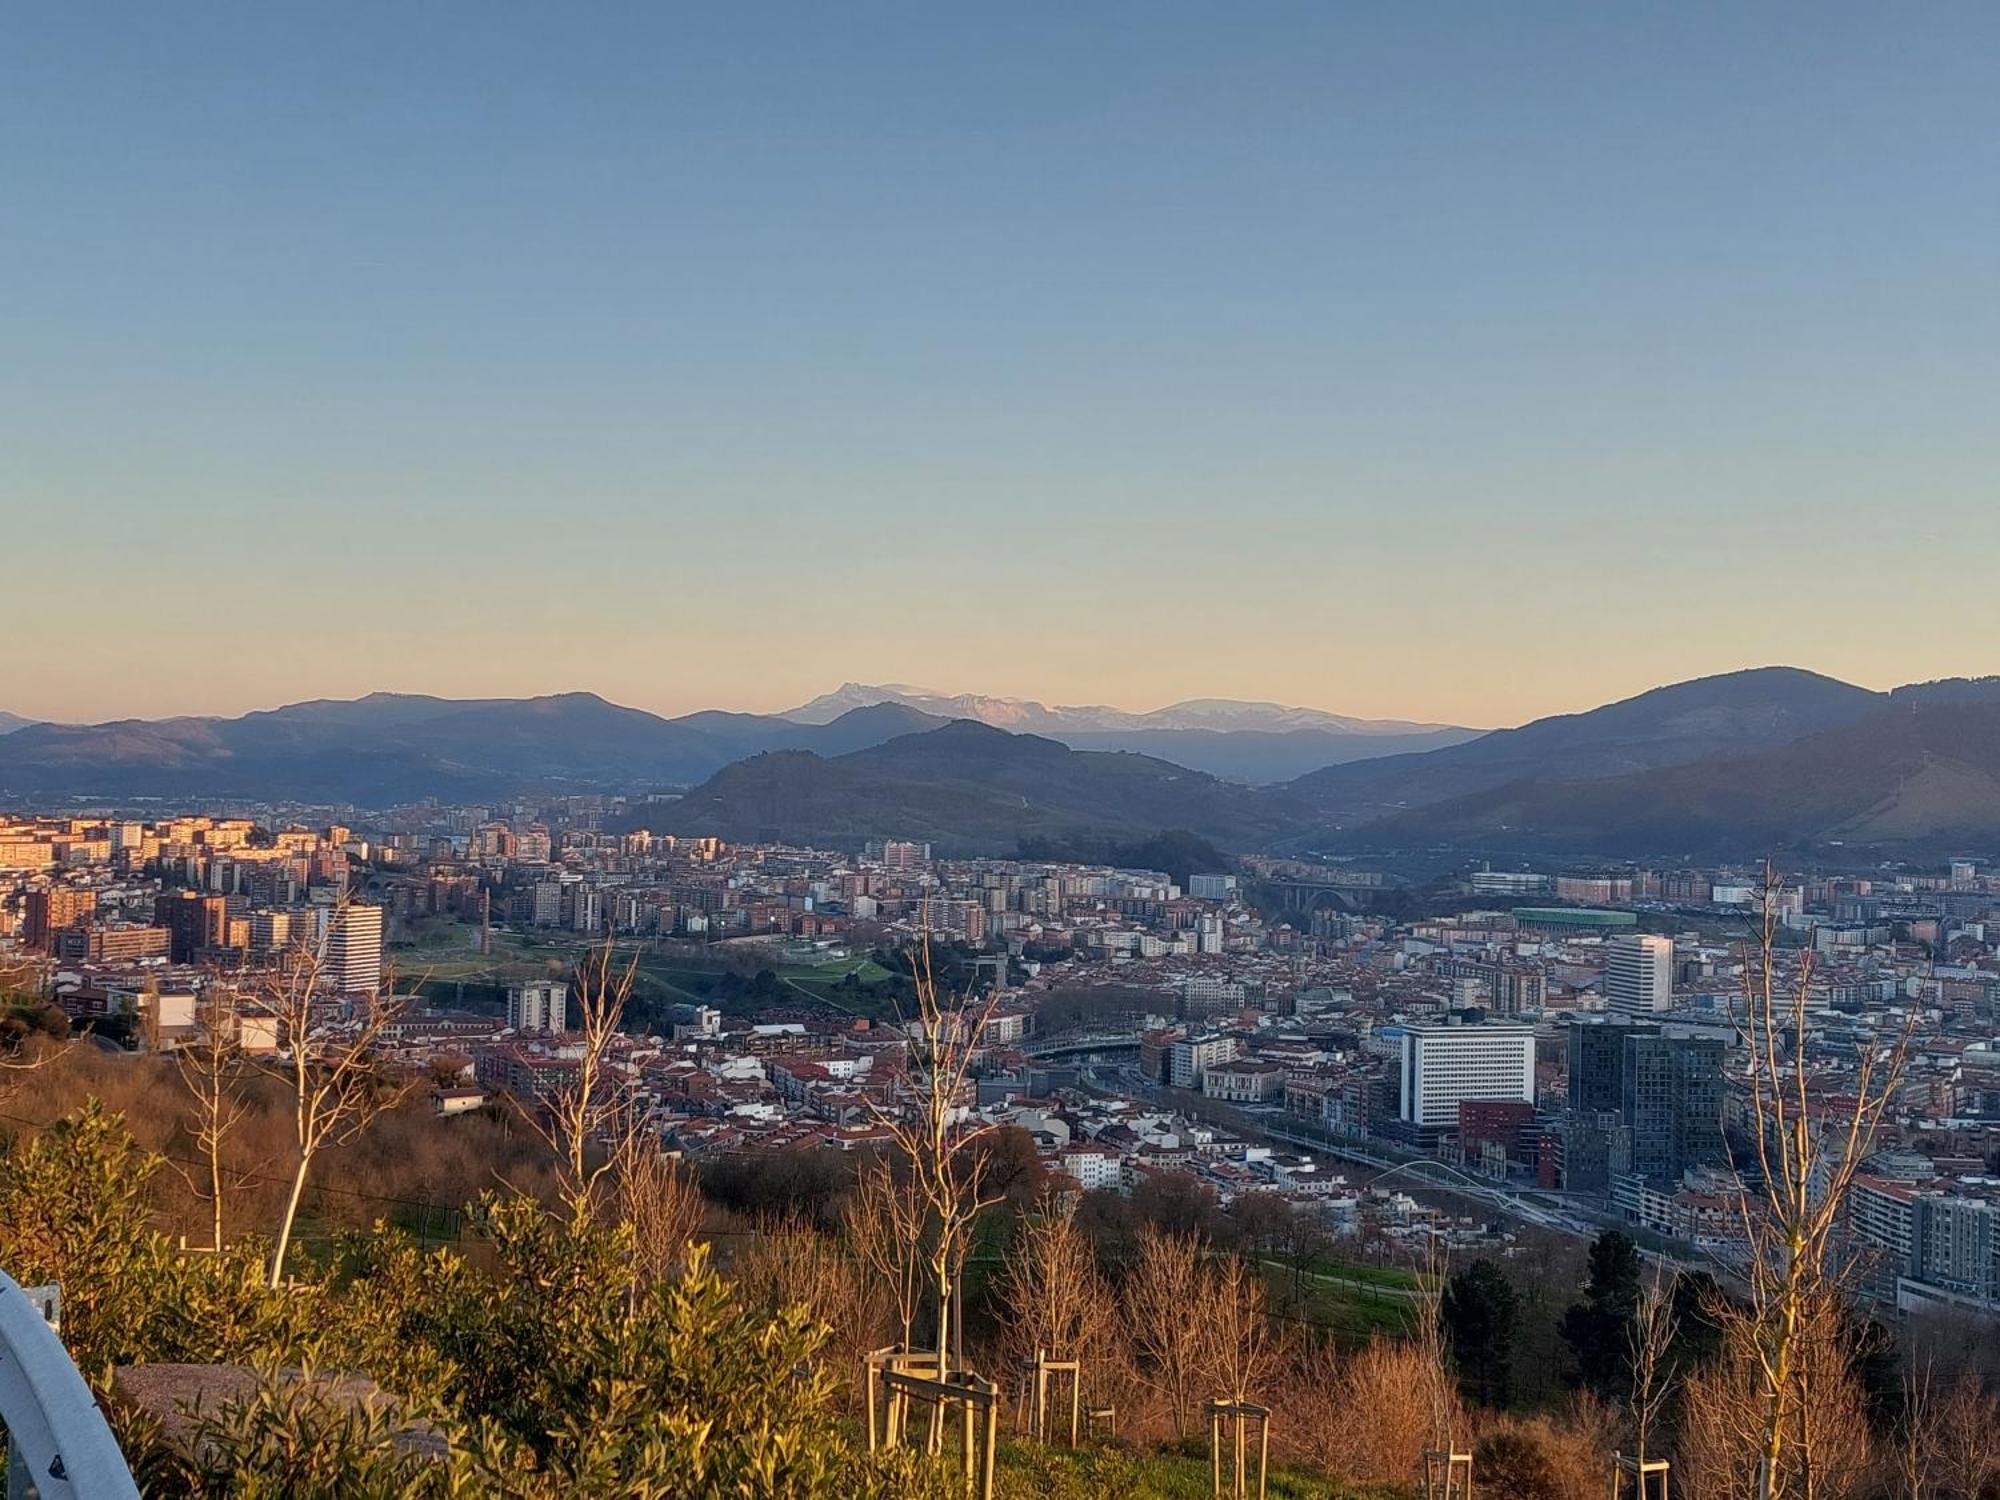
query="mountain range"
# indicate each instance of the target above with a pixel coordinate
(394, 746)
(1769, 760)
(391, 747)
(1258, 743)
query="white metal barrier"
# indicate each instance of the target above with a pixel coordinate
(59, 1446)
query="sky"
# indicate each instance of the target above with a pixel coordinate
(1442, 362)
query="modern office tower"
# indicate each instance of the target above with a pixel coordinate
(1440, 1067)
(354, 950)
(540, 1006)
(1639, 975)
(1663, 1083)
(1673, 1103)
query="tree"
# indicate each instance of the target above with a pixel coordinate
(326, 1062)
(1595, 1328)
(885, 1226)
(1163, 1300)
(1052, 1297)
(584, 1121)
(211, 1066)
(1653, 1375)
(946, 1169)
(1480, 1310)
(1807, 1152)
(661, 1204)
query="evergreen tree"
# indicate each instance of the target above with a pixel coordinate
(1597, 1329)
(1481, 1312)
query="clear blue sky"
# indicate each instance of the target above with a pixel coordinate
(1462, 362)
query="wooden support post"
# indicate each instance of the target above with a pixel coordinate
(1447, 1474)
(1650, 1478)
(1238, 1415)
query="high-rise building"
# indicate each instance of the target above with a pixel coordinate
(1673, 1103)
(1664, 1085)
(539, 1006)
(1639, 975)
(53, 910)
(1441, 1067)
(354, 950)
(195, 923)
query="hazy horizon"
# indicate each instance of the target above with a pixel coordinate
(673, 709)
(1455, 366)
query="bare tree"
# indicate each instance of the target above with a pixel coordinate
(1385, 1413)
(1162, 1307)
(656, 1198)
(933, 1133)
(1919, 1435)
(1651, 1335)
(1054, 1298)
(211, 1067)
(884, 1225)
(795, 1265)
(584, 1121)
(1806, 1164)
(327, 1063)
(1237, 1324)
(1968, 1460)
(1439, 1392)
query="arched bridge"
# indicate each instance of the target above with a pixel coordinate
(1078, 1046)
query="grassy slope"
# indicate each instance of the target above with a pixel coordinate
(1024, 1471)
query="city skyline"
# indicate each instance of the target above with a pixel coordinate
(1335, 357)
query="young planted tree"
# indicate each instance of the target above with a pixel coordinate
(936, 1138)
(211, 1068)
(1233, 1313)
(326, 1061)
(1807, 1153)
(589, 1119)
(1432, 1362)
(1653, 1374)
(1161, 1298)
(884, 1224)
(1054, 1297)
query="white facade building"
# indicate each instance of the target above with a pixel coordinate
(354, 950)
(539, 1006)
(1639, 975)
(1440, 1067)
(1195, 1055)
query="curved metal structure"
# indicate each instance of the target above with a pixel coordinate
(59, 1446)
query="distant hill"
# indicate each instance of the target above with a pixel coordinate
(11, 722)
(1241, 741)
(969, 788)
(1914, 774)
(390, 747)
(1733, 714)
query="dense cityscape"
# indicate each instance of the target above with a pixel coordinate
(1564, 1046)
(1035, 752)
